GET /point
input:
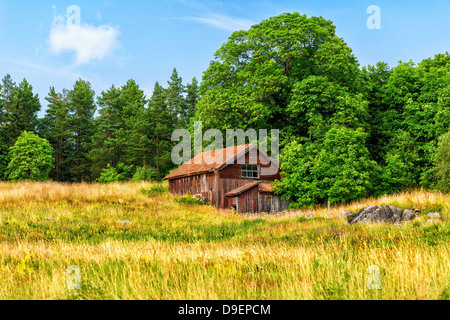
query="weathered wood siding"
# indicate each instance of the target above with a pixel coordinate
(199, 184)
(234, 171)
(253, 201)
(269, 202)
(248, 201)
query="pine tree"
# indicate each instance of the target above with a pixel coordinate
(160, 115)
(133, 134)
(55, 127)
(24, 110)
(175, 100)
(121, 130)
(105, 147)
(191, 103)
(7, 102)
(3, 146)
(82, 106)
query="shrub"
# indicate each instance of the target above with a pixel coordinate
(145, 174)
(442, 163)
(31, 159)
(121, 172)
(109, 174)
(156, 189)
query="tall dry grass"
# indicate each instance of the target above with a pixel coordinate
(176, 251)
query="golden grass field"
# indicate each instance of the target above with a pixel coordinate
(173, 250)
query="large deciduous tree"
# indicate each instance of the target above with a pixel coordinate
(293, 73)
(31, 159)
(250, 83)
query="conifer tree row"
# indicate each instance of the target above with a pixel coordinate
(120, 128)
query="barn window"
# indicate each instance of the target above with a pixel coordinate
(250, 171)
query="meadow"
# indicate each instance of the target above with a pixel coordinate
(135, 244)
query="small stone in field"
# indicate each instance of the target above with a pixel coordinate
(434, 215)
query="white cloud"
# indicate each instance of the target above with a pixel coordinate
(224, 22)
(86, 41)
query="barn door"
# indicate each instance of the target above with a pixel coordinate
(254, 204)
(267, 202)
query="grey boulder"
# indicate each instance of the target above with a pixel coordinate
(390, 214)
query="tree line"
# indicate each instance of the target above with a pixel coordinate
(118, 136)
(347, 132)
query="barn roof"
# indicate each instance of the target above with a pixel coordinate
(243, 188)
(208, 161)
(263, 187)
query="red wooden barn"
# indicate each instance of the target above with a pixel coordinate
(230, 178)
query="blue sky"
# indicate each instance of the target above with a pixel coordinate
(145, 40)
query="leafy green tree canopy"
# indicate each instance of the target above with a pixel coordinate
(31, 159)
(442, 163)
(337, 170)
(250, 82)
(121, 173)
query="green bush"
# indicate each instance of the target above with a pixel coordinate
(121, 172)
(31, 159)
(109, 174)
(156, 189)
(145, 174)
(442, 163)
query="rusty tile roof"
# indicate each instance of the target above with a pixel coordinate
(263, 187)
(243, 188)
(208, 161)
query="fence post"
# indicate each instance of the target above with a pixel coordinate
(328, 207)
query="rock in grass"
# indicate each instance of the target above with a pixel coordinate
(390, 214)
(434, 215)
(409, 214)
